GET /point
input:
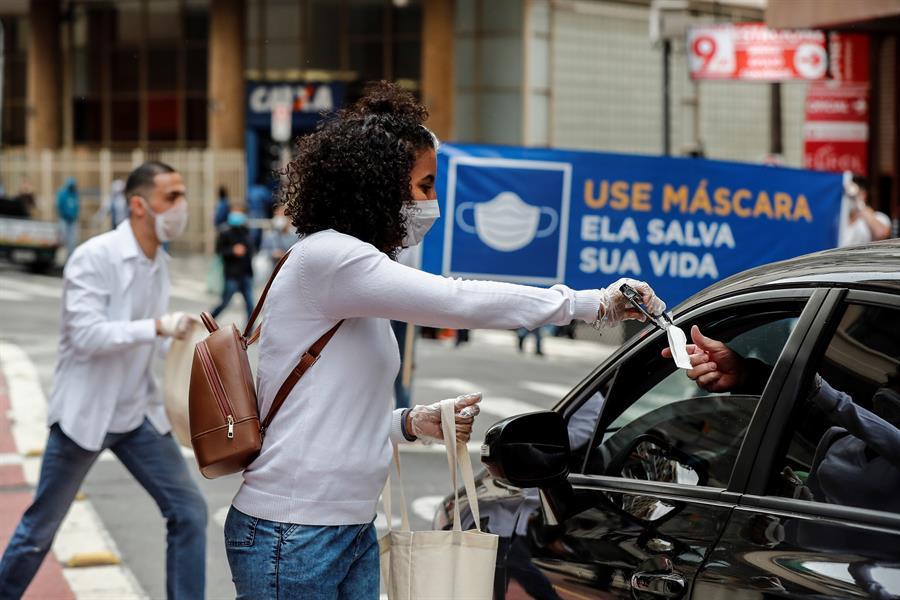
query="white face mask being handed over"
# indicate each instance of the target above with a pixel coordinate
(419, 219)
(171, 223)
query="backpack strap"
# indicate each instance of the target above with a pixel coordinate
(256, 309)
(308, 359)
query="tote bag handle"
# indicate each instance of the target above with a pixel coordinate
(457, 454)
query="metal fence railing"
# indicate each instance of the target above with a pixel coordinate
(203, 171)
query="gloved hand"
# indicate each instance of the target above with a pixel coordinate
(176, 325)
(617, 308)
(425, 421)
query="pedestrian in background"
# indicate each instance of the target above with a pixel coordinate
(68, 205)
(115, 205)
(361, 187)
(259, 206)
(236, 248)
(523, 332)
(864, 224)
(280, 238)
(114, 318)
(223, 207)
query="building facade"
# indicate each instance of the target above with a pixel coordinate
(197, 81)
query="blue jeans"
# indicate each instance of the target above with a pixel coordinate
(271, 560)
(69, 232)
(244, 285)
(156, 462)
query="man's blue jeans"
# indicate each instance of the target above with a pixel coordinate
(271, 560)
(244, 285)
(156, 462)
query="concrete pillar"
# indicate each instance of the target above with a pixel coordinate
(226, 74)
(438, 87)
(43, 120)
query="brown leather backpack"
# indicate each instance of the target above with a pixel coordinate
(225, 426)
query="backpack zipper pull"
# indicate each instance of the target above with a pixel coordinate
(230, 426)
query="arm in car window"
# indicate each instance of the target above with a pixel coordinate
(717, 368)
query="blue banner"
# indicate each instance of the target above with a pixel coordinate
(541, 217)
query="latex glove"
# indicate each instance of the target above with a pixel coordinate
(716, 367)
(425, 420)
(176, 325)
(617, 308)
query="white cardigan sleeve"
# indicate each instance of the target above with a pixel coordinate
(350, 279)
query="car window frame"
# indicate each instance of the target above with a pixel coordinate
(814, 345)
(814, 297)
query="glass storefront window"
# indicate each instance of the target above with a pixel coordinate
(125, 120)
(162, 118)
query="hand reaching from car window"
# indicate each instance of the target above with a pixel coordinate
(716, 367)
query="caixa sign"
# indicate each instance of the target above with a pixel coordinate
(308, 100)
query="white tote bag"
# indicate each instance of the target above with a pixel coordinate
(177, 382)
(439, 565)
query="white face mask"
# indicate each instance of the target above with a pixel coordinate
(419, 219)
(279, 222)
(171, 223)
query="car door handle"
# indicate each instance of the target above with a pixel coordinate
(660, 585)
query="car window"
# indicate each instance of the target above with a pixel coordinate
(843, 442)
(651, 408)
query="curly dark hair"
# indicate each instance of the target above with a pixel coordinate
(353, 173)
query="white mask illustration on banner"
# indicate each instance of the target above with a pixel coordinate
(419, 219)
(507, 223)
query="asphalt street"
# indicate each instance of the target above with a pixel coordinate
(511, 383)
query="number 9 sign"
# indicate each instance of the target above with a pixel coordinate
(711, 53)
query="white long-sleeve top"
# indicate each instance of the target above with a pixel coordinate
(325, 456)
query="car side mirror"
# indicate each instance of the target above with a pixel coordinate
(530, 450)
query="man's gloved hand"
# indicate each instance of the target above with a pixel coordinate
(617, 308)
(176, 325)
(425, 421)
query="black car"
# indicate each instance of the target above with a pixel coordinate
(639, 484)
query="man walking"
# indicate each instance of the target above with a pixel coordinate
(68, 205)
(115, 296)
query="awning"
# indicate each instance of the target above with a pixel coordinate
(831, 14)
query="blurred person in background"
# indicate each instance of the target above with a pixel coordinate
(523, 333)
(259, 206)
(114, 323)
(114, 205)
(864, 224)
(235, 246)
(68, 205)
(280, 238)
(223, 207)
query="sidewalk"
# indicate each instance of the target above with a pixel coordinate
(15, 496)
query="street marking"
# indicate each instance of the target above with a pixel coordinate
(12, 296)
(82, 530)
(426, 506)
(32, 288)
(554, 390)
(450, 384)
(507, 407)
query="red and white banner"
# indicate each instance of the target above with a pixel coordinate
(752, 51)
(836, 132)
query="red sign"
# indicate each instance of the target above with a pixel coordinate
(752, 51)
(836, 132)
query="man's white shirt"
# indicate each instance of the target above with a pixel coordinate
(112, 294)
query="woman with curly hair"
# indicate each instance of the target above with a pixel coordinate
(360, 188)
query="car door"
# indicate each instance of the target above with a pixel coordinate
(821, 516)
(653, 464)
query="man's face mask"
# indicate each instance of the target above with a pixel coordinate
(171, 223)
